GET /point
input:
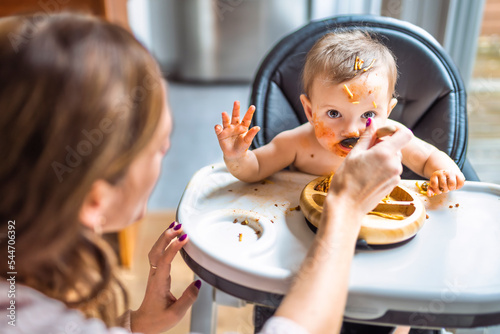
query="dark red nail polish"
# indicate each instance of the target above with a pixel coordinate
(183, 237)
(368, 122)
(177, 227)
(172, 225)
(197, 284)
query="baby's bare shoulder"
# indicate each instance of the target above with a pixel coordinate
(303, 131)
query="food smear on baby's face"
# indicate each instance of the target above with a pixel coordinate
(340, 111)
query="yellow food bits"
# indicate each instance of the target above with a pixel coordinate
(348, 91)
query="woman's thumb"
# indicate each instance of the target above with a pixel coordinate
(187, 299)
(368, 137)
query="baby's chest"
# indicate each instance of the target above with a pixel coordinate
(317, 161)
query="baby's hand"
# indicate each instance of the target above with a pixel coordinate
(444, 180)
(234, 136)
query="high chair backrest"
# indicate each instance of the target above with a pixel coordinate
(431, 94)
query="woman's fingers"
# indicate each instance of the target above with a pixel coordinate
(180, 307)
(163, 241)
(236, 113)
(172, 250)
(367, 139)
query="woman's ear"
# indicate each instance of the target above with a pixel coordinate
(95, 205)
(392, 104)
(306, 104)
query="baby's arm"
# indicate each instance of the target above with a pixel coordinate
(433, 164)
(235, 139)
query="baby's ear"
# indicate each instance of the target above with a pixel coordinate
(306, 104)
(392, 104)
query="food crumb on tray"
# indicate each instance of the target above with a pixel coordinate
(297, 208)
(240, 236)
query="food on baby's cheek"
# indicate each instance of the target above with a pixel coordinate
(355, 102)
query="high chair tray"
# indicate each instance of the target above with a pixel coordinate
(249, 239)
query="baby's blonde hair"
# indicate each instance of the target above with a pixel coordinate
(333, 58)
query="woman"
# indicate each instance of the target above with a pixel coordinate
(85, 124)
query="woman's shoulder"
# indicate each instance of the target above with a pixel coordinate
(30, 311)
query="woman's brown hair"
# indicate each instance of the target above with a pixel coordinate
(333, 57)
(79, 98)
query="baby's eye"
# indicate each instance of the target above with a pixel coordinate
(368, 114)
(333, 114)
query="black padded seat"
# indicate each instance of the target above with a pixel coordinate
(432, 100)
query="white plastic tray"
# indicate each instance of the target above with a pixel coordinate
(452, 266)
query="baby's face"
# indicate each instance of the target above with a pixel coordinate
(338, 112)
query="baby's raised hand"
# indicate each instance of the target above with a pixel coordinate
(444, 180)
(234, 136)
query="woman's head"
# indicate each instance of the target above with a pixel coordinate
(83, 108)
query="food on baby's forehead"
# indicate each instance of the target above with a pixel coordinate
(374, 105)
(348, 91)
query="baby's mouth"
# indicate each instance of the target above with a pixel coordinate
(349, 142)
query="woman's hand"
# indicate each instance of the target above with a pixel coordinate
(160, 310)
(234, 136)
(370, 171)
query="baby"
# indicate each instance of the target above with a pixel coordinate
(349, 80)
